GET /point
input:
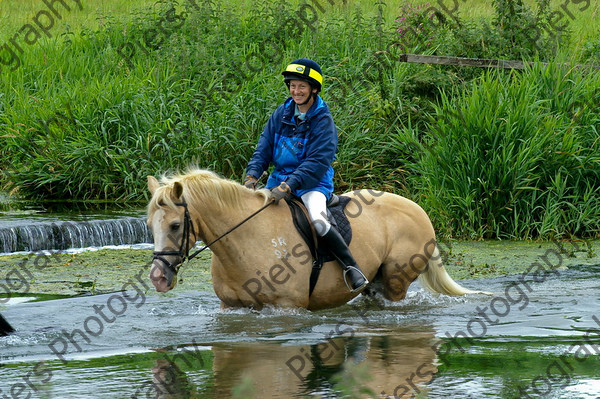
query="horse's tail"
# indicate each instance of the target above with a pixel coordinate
(436, 279)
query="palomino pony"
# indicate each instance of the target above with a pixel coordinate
(266, 261)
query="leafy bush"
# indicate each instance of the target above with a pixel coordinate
(515, 32)
(81, 119)
(591, 52)
(419, 28)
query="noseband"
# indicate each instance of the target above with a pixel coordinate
(184, 251)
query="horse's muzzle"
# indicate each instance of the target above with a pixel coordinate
(163, 277)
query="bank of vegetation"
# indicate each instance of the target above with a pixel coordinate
(489, 154)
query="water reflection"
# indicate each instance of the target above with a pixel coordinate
(294, 354)
(398, 365)
(170, 382)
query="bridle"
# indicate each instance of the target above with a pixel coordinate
(184, 248)
(183, 251)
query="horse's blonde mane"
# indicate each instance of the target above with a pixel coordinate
(201, 188)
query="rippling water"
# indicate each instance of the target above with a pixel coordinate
(543, 337)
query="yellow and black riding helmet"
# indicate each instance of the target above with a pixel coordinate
(304, 69)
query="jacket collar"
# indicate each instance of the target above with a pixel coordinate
(290, 108)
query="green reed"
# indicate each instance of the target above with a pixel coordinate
(82, 121)
(517, 157)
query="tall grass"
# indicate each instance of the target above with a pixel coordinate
(86, 123)
(95, 14)
(516, 157)
(80, 121)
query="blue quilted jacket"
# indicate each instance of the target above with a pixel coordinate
(300, 151)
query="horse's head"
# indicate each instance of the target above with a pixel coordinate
(173, 231)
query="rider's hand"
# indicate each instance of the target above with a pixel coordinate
(250, 182)
(282, 191)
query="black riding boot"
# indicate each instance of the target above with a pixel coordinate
(336, 244)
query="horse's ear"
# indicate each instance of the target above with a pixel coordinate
(177, 190)
(152, 184)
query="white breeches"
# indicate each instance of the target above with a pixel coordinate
(316, 204)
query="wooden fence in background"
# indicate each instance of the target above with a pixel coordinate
(474, 62)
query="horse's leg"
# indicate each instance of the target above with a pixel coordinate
(399, 270)
(5, 327)
(228, 296)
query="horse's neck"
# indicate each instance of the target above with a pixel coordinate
(214, 223)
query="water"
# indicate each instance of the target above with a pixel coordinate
(37, 228)
(545, 339)
(74, 234)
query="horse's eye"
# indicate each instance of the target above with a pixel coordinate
(175, 226)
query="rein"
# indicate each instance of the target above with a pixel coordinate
(184, 251)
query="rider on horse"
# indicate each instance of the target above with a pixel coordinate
(300, 140)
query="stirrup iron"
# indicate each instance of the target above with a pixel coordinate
(353, 290)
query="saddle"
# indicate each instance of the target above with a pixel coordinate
(338, 220)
